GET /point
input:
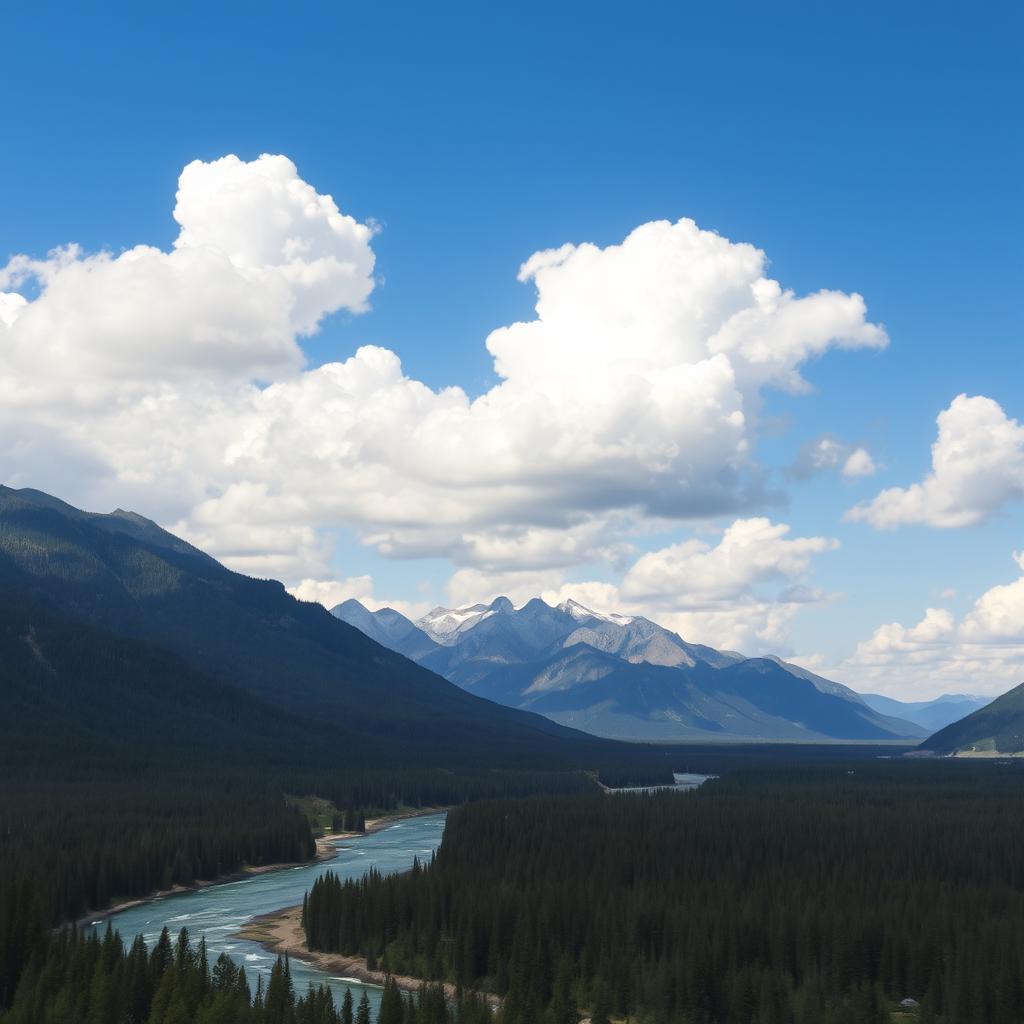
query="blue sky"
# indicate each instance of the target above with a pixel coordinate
(873, 149)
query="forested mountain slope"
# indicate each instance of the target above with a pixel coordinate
(996, 728)
(124, 574)
(74, 694)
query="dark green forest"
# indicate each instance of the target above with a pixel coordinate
(804, 894)
(89, 980)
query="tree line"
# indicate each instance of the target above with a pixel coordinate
(86, 979)
(800, 895)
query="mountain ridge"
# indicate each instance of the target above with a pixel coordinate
(932, 715)
(627, 677)
(123, 574)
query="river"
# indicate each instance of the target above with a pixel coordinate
(218, 912)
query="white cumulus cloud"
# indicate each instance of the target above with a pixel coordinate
(331, 593)
(740, 593)
(859, 463)
(998, 615)
(981, 653)
(695, 574)
(829, 452)
(260, 258)
(977, 468)
(174, 382)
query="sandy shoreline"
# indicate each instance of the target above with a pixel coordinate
(324, 851)
(281, 932)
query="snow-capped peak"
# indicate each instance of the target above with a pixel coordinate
(445, 624)
(581, 613)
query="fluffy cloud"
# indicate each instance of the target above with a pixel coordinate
(982, 653)
(937, 626)
(278, 229)
(260, 258)
(977, 467)
(998, 615)
(695, 575)
(829, 452)
(330, 593)
(859, 463)
(750, 625)
(468, 586)
(740, 593)
(174, 382)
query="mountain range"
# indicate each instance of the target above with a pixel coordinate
(931, 715)
(118, 637)
(625, 677)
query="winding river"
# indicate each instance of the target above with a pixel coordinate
(218, 912)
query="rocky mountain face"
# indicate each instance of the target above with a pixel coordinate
(625, 676)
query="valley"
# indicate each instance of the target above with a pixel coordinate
(128, 654)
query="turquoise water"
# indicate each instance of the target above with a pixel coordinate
(219, 911)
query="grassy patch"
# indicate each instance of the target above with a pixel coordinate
(318, 811)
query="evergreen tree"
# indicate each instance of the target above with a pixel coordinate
(391, 1008)
(363, 1011)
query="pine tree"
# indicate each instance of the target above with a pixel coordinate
(363, 1011)
(162, 957)
(280, 997)
(391, 1009)
(242, 986)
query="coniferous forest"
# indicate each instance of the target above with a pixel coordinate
(812, 895)
(89, 980)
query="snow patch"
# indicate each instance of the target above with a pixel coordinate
(581, 613)
(445, 624)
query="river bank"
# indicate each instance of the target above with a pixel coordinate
(281, 933)
(325, 851)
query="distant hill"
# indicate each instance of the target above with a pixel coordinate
(173, 617)
(929, 714)
(625, 677)
(997, 727)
